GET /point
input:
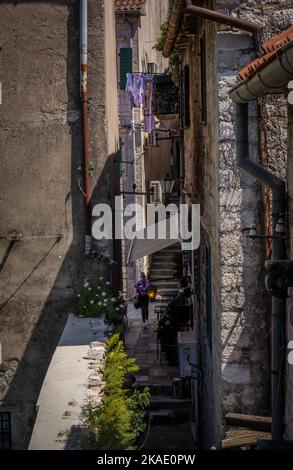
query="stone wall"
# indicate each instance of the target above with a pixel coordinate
(41, 180)
(289, 364)
(245, 313)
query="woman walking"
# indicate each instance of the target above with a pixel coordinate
(143, 301)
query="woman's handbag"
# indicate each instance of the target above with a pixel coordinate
(136, 303)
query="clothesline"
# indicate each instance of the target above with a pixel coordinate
(147, 74)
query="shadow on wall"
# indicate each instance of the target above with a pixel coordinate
(45, 333)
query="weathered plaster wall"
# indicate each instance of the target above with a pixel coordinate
(41, 152)
(245, 326)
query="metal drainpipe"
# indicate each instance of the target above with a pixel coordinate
(278, 253)
(216, 16)
(85, 118)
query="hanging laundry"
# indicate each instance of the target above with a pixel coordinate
(140, 88)
(136, 88)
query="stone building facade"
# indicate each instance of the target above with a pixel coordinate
(245, 312)
(42, 182)
(232, 314)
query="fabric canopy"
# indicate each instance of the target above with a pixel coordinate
(142, 245)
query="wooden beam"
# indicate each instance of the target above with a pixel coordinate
(257, 423)
(244, 440)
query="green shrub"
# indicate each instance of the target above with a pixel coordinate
(118, 422)
(173, 59)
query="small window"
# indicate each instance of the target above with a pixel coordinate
(203, 79)
(5, 431)
(209, 310)
(125, 65)
(186, 97)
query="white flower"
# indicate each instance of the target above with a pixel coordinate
(121, 306)
(84, 307)
(113, 300)
(104, 294)
(118, 309)
(99, 287)
(100, 303)
(101, 278)
(86, 284)
(92, 302)
(89, 288)
(97, 295)
(78, 295)
(107, 283)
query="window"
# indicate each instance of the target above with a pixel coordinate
(125, 65)
(5, 431)
(203, 79)
(186, 97)
(209, 311)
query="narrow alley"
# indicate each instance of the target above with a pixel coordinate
(146, 241)
(169, 418)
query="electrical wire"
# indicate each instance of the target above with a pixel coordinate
(57, 240)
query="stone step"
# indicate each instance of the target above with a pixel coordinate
(164, 416)
(166, 282)
(160, 402)
(167, 291)
(162, 270)
(164, 298)
(161, 264)
(170, 256)
(164, 277)
(157, 389)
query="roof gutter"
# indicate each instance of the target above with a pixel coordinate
(174, 22)
(182, 7)
(273, 78)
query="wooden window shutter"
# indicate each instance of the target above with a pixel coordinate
(125, 65)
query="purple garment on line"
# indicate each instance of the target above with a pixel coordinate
(136, 88)
(130, 89)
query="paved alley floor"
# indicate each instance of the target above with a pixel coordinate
(169, 423)
(141, 343)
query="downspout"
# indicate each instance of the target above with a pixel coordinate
(85, 119)
(278, 253)
(182, 7)
(221, 18)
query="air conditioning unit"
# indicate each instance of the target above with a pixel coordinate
(156, 195)
(188, 354)
(151, 140)
(153, 68)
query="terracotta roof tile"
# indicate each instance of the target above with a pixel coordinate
(129, 5)
(270, 50)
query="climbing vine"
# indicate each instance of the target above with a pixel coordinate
(173, 59)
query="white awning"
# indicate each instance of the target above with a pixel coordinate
(142, 245)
